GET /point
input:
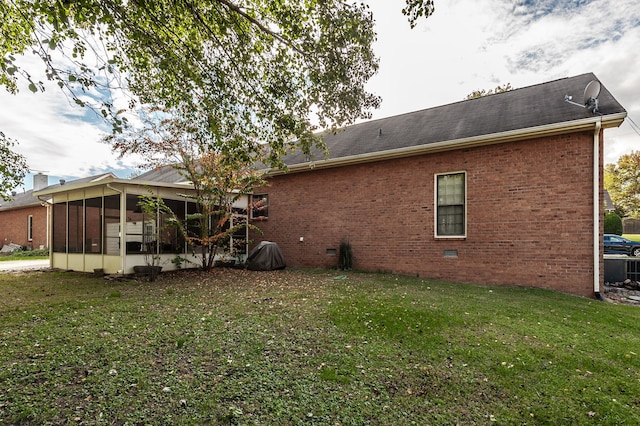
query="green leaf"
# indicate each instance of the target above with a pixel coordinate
(33, 87)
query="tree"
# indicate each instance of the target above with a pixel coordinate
(176, 138)
(480, 93)
(417, 9)
(622, 181)
(612, 224)
(262, 70)
(13, 167)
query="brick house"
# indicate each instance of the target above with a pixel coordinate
(503, 189)
(23, 220)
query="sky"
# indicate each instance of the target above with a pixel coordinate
(466, 45)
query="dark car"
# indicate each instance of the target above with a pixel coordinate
(615, 244)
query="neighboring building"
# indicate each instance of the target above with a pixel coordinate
(23, 220)
(96, 223)
(502, 189)
(609, 207)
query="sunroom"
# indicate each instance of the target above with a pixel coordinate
(99, 224)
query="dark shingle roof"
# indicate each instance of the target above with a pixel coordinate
(166, 174)
(527, 107)
(20, 200)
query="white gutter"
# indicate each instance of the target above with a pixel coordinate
(47, 204)
(596, 210)
(114, 189)
(612, 120)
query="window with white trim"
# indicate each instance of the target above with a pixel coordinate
(259, 206)
(450, 198)
(30, 228)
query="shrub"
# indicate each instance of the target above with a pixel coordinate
(612, 224)
(25, 252)
(345, 258)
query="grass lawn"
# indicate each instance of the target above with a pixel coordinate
(310, 347)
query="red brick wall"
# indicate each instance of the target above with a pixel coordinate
(529, 215)
(13, 226)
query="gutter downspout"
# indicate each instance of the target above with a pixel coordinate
(596, 210)
(48, 206)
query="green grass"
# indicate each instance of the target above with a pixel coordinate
(632, 237)
(18, 257)
(301, 347)
(25, 255)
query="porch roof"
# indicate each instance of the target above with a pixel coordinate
(110, 179)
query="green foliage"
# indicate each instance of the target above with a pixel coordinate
(26, 253)
(178, 261)
(264, 72)
(345, 256)
(480, 93)
(13, 167)
(417, 9)
(622, 181)
(297, 347)
(613, 224)
(257, 71)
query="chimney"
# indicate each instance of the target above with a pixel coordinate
(40, 181)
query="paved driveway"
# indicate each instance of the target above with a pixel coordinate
(22, 265)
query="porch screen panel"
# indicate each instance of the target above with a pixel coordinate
(134, 226)
(93, 225)
(193, 223)
(112, 224)
(171, 240)
(76, 222)
(59, 237)
(241, 232)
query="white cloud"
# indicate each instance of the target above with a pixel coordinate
(54, 134)
(468, 45)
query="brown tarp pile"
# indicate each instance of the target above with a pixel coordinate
(266, 256)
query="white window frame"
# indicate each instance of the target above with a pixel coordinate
(30, 228)
(435, 203)
(264, 196)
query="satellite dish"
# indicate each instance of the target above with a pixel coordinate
(591, 92)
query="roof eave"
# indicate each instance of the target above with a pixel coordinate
(612, 120)
(70, 186)
(110, 181)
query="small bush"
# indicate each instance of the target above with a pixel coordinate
(345, 261)
(25, 252)
(612, 224)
